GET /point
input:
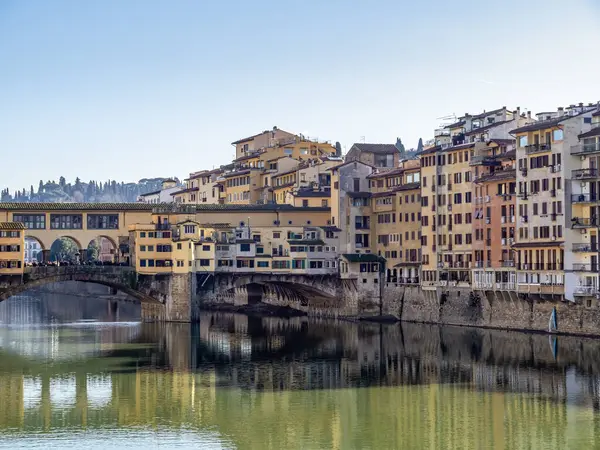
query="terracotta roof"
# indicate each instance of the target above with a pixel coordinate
(308, 194)
(408, 186)
(487, 127)
(501, 142)
(249, 138)
(460, 123)
(183, 191)
(350, 162)
(459, 147)
(236, 173)
(538, 244)
(11, 226)
(542, 124)
(250, 156)
(376, 148)
(430, 150)
(593, 132)
(150, 193)
(38, 206)
(331, 228)
(358, 194)
(160, 208)
(487, 113)
(395, 171)
(498, 175)
(363, 257)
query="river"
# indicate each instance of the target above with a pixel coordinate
(238, 382)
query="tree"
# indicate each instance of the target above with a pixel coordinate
(420, 145)
(400, 145)
(63, 249)
(31, 192)
(62, 182)
(338, 149)
(93, 250)
(41, 187)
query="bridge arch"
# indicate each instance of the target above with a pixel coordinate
(123, 279)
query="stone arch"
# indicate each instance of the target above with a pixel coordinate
(107, 248)
(36, 239)
(52, 247)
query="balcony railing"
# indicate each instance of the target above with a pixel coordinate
(586, 290)
(584, 174)
(583, 222)
(537, 148)
(162, 226)
(583, 248)
(584, 198)
(508, 263)
(506, 286)
(585, 267)
(585, 149)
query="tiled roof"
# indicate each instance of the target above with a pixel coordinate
(593, 132)
(236, 173)
(306, 242)
(430, 150)
(459, 147)
(487, 113)
(408, 186)
(250, 156)
(159, 208)
(358, 194)
(249, 138)
(376, 148)
(498, 176)
(310, 194)
(331, 228)
(183, 191)
(502, 142)
(542, 124)
(538, 244)
(333, 168)
(38, 206)
(487, 127)
(460, 123)
(596, 114)
(395, 171)
(11, 226)
(150, 193)
(363, 257)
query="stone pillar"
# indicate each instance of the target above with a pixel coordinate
(45, 256)
(178, 307)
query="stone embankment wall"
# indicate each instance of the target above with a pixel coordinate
(457, 306)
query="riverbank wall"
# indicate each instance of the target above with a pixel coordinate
(503, 310)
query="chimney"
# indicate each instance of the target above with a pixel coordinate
(529, 114)
(561, 111)
(518, 113)
(581, 104)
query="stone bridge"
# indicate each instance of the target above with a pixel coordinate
(162, 297)
(324, 294)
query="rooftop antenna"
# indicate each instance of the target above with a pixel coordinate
(448, 117)
(362, 139)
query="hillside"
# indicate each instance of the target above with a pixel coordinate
(92, 191)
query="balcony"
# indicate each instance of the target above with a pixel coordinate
(507, 263)
(537, 148)
(508, 286)
(585, 291)
(554, 266)
(163, 226)
(583, 222)
(585, 149)
(585, 267)
(584, 198)
(585, 248)
(584, 174)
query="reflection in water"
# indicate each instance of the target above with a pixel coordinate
(266, 383)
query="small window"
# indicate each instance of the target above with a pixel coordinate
(557, 135)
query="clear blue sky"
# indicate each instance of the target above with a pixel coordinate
(141, 88)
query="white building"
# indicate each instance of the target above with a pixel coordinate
(163, 195)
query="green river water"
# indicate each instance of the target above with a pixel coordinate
(235, 382)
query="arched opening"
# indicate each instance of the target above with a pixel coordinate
(33, 251)
(65, 250)
(101, 250)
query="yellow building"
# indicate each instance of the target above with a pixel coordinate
(430, 167)
(200, 187)
(12, 244)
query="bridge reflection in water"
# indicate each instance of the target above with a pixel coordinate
(313, 384)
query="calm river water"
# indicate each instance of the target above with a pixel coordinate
(234, 382)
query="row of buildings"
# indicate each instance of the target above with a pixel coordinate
(501, 201)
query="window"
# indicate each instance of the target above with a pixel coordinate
(276, 235)
(142, 248)
(142, 234)
(142, 263)
(179, 246)
(305, 203)
(522, 141)
(356, 184)
(324, 203)
(189, 229)
(244, 247)
(66, 221)
(102, 221)
(31, 221)
(204, 262)
(263, 264)
(557, 135)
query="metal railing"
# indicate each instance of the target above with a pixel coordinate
(585, 248)
(585, 267)
(585, 148)
(538, 148)
(582, 174)
(584, 198)
(583, 222)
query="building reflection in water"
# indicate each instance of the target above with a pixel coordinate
(314, 384)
